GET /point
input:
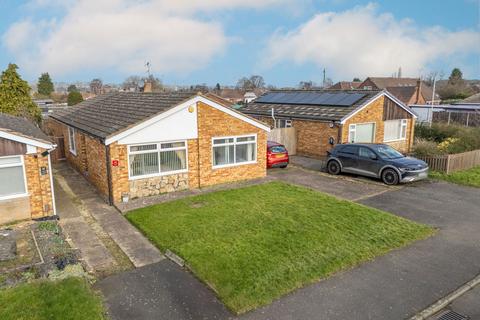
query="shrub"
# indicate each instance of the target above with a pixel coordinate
(449, 138)
(423, 147)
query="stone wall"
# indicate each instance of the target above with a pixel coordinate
(157, 185)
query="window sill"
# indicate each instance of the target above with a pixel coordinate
(395, 140)
(233, 165)
(157, 175)
(14, 196)
(73, 152)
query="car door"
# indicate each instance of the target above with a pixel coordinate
(348, 157)
(368, 162)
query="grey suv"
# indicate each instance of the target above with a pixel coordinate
(377, 161)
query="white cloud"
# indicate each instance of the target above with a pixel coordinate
(174, 35)
(362, 42)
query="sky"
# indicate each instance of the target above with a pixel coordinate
(219, 41)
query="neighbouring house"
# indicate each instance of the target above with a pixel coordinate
(322, 118)
(249, 96)
(130, 144)
(407, 90)
(346, 85)
(232, 95)
(26, 185)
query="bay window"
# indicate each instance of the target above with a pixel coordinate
(234, 150)
(12, 171)
(157, 159)
(395, 130)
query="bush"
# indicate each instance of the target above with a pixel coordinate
(424, 148)
(448, 139)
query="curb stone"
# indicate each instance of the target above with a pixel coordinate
(445, 301)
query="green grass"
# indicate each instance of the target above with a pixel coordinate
(254, 244)
(469, 177)
(71, 298)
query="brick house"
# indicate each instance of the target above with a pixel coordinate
(26, 185)
(140, 144)
(408, 90)
(323, 118)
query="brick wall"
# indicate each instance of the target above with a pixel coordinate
(312, 136)
(374, 113)
(39, 186)
(215, 123)
(90, 159)
(120, 183)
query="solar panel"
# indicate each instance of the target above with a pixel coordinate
(311, 98)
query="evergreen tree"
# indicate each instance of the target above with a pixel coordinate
(71, 88)
(45, 84)
(15, 95)
(74, 97)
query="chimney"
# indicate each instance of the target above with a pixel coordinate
(419, 88)
(147, 86)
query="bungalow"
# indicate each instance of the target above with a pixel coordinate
(131, 145)
(323, 118)
(26, 185)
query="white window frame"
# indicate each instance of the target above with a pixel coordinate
(403, 128)
(10, 165)
(288, 123)
(72, 144)
(234, 143)
(158, 150)
(353, 128)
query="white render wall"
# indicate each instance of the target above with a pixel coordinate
(181, 125)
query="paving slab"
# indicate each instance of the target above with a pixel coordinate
(94, 253)
(137, 248)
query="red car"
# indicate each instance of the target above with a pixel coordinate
(277, 155)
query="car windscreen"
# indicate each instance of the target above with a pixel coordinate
(387, 152)
(278, 149)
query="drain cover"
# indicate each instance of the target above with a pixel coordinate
(452, 315)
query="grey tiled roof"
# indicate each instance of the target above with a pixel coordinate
(114, 112)
(309, 112)
(23, 127)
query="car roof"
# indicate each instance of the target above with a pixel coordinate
(362, 144)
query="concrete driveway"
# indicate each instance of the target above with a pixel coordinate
(394, 286)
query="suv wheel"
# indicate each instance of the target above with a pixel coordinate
(333, 167)
(390, 177)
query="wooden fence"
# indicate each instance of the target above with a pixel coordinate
(453, 162)
(285, 136)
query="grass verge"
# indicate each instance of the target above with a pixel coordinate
(469, 177)
(254, 244)
(67, 299)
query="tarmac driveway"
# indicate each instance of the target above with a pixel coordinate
(394, 286)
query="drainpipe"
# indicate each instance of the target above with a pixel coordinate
(273, 117)
(109, 175)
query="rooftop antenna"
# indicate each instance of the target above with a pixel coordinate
(324, 72)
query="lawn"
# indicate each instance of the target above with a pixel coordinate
(469, 177)
(254, 244)
(71, 298)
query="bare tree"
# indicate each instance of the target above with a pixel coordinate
(254, 82)
(132, 83)
(306, 85)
